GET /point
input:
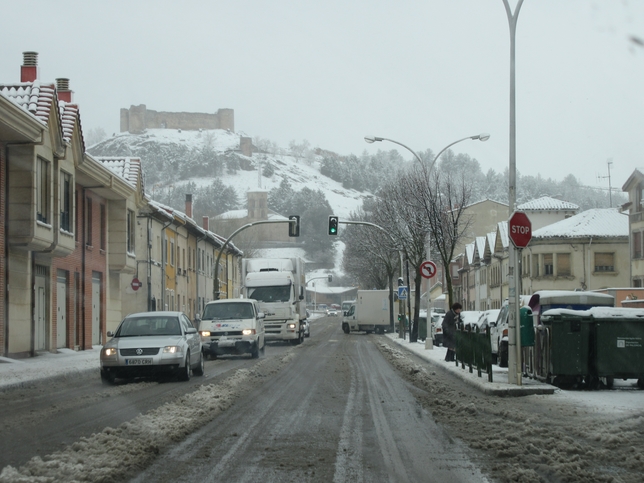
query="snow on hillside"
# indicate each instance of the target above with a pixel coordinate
(300, 173)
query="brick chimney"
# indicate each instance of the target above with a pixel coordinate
(206, 223)
(189, 205)
(62, 87)
(29, 68)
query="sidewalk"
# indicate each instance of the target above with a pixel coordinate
(65, 364)
(500, 386)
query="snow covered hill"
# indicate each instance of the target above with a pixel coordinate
(172, 157)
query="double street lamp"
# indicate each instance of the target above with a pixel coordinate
(479, 137)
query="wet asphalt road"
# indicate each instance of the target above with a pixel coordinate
(337, 412)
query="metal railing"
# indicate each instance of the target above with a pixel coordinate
(473, 349)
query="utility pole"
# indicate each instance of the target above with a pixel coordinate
(609, 162)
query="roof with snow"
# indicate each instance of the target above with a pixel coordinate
(483, 201)
(607, 222)
(69, 115)
(127, 168)
(33, 97)
(171, 213)
(546, 203)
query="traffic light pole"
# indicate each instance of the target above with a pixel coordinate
(217, 284)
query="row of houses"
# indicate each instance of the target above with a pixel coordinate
(597, 249)
(81, 243)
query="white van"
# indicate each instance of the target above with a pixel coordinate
(232, 326)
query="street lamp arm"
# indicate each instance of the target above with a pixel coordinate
(482, 137)
(372, 139)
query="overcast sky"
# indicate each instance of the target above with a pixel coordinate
(424, 73)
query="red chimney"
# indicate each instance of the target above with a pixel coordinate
(206, 223)
(29, 68)
(189, 206)
(62, 87)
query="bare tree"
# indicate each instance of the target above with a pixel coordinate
(442, 202)
(400, 212)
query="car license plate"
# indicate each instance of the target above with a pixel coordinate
(138, 362)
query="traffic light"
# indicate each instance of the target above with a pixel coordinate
(294, 228)
(333, 225)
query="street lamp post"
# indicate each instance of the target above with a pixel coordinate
(514, 278)
(429, 343)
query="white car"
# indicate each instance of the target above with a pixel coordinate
(470, 317)
(307, 328)
(437, 328)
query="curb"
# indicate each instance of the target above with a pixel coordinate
(48, 379)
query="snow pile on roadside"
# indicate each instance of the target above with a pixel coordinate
(532, 438)
(115, 453)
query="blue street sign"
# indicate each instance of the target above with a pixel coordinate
(402, 293)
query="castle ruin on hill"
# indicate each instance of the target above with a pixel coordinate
(137, 119)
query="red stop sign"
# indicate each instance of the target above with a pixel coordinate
(520, 229)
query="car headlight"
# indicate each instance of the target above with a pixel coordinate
(248, 331)
(205, 333)
(109, 351)
(172, 349)
(290, 326)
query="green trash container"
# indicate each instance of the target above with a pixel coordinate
(422, 328)
(568, 351)
(527, 327)
(619, 344)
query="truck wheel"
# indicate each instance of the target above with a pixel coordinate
(255, 352)
(345, 329)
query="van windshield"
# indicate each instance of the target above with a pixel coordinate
(228, 311)
(279, 293)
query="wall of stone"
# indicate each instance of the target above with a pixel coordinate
(137, 119)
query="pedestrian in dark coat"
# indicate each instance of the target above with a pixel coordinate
(449, 330)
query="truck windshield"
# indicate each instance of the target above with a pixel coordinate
(228, 311)
(280, 293)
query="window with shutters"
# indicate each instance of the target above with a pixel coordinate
(131, 231)
(563, 264)
(548, 265)
(66, 201)
(88, 223)
(604, 262)
(42, 191)
(535, 265)
(637, 244)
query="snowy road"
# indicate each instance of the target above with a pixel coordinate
(337, 413)
(337, 408)
(45, 417)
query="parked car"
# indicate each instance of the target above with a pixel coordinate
(232, 326)
(470, 317)
(152, 343)
(437, 328)
(499, 333)
(488, 319)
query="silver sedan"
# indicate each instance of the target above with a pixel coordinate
(152, 343)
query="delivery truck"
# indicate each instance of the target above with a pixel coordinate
(278, 285)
